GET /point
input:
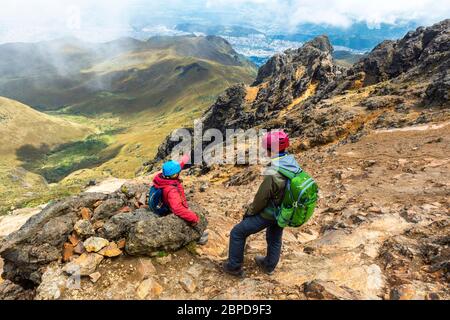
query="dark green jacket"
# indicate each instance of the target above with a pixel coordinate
(270, 194)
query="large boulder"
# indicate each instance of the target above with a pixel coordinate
(153, 234)
(41, 241)
(119, 225)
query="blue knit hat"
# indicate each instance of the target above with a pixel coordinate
(171, 168)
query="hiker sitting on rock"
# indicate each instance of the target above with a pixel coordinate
(260, 215)
(167, 195)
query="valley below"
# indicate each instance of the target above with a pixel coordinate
(170, 81)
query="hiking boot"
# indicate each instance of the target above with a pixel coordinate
(260, 261)
(233, 272)
(204, 239)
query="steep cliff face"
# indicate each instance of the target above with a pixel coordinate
(284, 81)
(421, 54)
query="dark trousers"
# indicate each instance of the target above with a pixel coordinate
(249, 226)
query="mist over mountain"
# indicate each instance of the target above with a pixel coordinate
(349, 23)
(118, 76)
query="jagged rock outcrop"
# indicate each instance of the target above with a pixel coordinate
(49, 236)
(421, 49)
(282, 82)
(228, 111)
(153, 234)
(380, 91)
(423, 53)
(438, 92)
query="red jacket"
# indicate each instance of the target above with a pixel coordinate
(175, 198)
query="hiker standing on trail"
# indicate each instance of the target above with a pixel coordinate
(167, 195)
(266, 213)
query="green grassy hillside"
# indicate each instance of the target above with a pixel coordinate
(119, 77)
(20, 125)
(346, 59)
(27, 134)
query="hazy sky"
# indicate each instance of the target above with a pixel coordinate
(25, 20)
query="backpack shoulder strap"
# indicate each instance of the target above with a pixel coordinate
(286, 173)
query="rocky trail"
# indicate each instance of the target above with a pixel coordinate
(381, 231)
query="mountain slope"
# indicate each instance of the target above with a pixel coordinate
(28, 134)
(120, 77)
(375, 137)
(133, 92)
(20, 125)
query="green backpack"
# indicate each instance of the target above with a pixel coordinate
(299, 201)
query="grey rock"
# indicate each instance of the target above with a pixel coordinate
(119, 225)
(54, 282)
(188, 284)
(438, 92)
(84, 228)
(149, 289)
(11, 291)
(95, 244)
(95, 276)
(84, 265)
(145, 268)
(204, 187)
(108, 209)
(134, 190)
(375, 103)
(169, 233)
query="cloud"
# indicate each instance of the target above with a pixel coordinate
(24, 20)
(343, 13)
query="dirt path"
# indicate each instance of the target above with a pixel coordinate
(377, 195)
(373, 191)
(416, 128)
